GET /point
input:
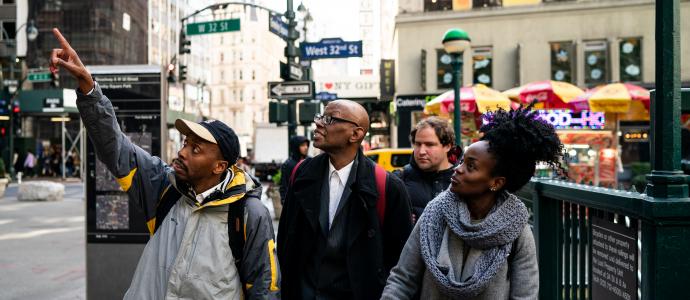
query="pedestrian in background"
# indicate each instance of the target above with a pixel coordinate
(473, 242)
(29, 163)
(429, 170)
(298, 150)
(337, 239)
(196, 251)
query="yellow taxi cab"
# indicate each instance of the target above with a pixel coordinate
(390, 159)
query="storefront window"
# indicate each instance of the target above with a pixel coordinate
(483, 60)
(596, 63)
(631, 59)
(433, 5)
(444, 70)
(562, 61)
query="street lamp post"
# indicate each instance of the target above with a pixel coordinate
(31, 35)
(455, 41)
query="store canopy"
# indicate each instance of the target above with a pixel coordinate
(552, 95)
(477, 99)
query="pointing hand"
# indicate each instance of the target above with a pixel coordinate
(67, 58)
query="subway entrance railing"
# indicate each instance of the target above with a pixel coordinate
(600, 243)
(596, 243)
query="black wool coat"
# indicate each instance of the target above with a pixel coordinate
(372, 250)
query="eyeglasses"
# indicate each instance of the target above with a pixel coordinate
(328, 120)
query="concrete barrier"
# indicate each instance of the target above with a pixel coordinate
(40, 191)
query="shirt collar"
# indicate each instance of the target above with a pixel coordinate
(220, 186)
(343, 173)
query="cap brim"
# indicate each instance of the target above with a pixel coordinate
(187, 127)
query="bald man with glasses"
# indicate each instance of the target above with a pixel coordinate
(332, 244)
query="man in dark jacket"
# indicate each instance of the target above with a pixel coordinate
(330, 242)
(299, 146)
(429, 172)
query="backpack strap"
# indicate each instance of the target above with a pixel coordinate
(294, 171)
(237, 233)
(380, 175)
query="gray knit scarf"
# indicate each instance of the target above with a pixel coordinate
(494, 236)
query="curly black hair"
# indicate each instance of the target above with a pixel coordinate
(518, 139)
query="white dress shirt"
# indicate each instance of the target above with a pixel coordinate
(337, 180)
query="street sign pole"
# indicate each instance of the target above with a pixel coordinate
(291, 55)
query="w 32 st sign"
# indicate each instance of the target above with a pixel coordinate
(331, 48)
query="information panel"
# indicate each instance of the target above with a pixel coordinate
(614, 260)
(112, 217)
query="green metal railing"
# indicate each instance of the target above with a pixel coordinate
(654, 226)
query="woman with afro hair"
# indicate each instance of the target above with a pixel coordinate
(473, 241)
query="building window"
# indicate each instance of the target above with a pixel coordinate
(444, 70)
(631, 59)
(221, 56)
(596, 63)
(222, 97)
(241, 95)
(222, 76)
(562, 61)
(240, 74)
(433, 5)
(485, 3)
(10, 28)
(253, 75)
(483, 62)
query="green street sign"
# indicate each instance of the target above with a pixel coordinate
(39, 77)
(213, 27)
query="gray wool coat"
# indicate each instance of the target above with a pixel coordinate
(410, 277)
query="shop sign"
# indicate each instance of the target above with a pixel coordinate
(565, 119)
(387, 79)
(636, 135)
(413, 101)
(53, 105)
(350, 86)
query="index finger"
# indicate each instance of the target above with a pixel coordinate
(61, 39)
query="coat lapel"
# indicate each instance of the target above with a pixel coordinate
(308, 191)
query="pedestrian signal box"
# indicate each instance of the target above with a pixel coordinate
(116, 230)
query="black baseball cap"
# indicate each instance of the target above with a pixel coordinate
(215, 132)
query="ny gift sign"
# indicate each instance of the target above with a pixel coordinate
(349, 86)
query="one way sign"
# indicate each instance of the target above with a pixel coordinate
(291, 90)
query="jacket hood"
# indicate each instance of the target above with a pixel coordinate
(295, 142)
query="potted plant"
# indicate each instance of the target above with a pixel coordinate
(4, 180)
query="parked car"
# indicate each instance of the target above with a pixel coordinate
(389, 158)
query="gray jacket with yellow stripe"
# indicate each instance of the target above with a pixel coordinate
(188, 255)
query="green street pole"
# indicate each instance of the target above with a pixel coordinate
(455, 42)
(457, 118)
(291, 55)
(666, 238)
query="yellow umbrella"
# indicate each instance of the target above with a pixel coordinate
(477, 99)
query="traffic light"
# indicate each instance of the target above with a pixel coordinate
(183, 73)
(185, 44)
(171, 73)
(16, 118)
(55, 80)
